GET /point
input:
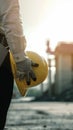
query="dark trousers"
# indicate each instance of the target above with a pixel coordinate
(6, 90)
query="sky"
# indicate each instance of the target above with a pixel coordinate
(46, 19)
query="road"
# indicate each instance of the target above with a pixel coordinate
(40, 116)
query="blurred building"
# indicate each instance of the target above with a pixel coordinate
(64, 67)
(51, 64)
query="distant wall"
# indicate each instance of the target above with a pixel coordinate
(63, 72)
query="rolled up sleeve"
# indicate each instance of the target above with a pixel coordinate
(13, 28)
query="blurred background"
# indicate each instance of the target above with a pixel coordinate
(48, 28)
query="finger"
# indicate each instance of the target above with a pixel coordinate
(28, 78)
(34, 64)
(33, 76)
(17, 75)
(21, 77)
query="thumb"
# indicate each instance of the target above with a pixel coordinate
(34, 64)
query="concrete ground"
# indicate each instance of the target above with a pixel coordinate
(40, 116)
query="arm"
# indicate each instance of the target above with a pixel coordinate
(14, 33)
(13, 28)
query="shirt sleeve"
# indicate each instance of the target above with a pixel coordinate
(12, 24)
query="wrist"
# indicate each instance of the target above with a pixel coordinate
(19, 57)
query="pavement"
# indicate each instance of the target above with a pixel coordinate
(25, 115)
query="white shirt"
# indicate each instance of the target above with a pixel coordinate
(12, 27)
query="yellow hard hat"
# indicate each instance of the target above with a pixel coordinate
(41, 71)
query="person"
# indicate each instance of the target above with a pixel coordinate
(12, 40)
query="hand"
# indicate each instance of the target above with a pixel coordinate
(25, 71)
